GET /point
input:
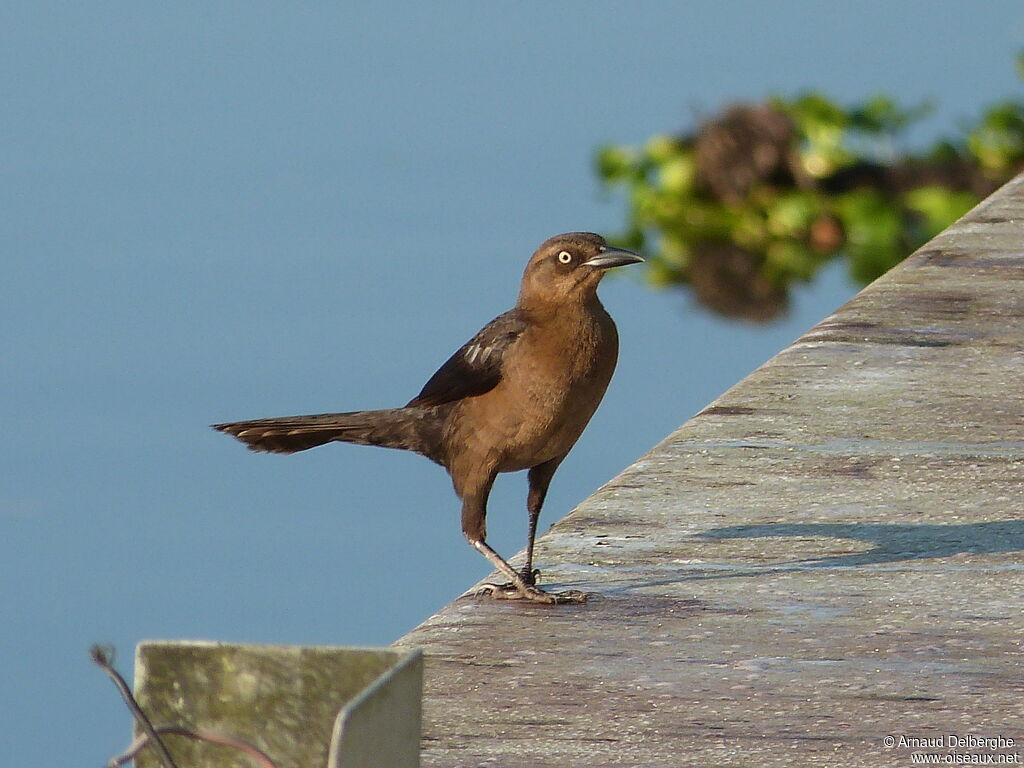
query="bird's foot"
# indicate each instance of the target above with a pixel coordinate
(530, 576)
(531, 593)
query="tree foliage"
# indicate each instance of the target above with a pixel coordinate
(762, 195)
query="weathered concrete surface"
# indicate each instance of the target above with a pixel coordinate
(831, 553)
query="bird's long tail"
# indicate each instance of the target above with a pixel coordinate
(411, 429)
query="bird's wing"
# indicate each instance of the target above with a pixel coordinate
(477, 366)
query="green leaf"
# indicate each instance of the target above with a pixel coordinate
(614, 163)
(939, 208)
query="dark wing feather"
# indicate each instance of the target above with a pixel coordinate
(477, 366)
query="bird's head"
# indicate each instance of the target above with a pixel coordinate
(567, 268)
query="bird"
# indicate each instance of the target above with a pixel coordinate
(516, 396)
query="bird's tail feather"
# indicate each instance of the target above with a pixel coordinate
(405, 428)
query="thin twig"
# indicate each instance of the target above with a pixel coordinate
(103, 657)
(211, 737)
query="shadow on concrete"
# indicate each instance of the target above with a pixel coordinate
(891, 543)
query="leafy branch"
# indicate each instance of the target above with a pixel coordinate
(762, 195)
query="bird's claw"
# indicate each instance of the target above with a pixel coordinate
(507, 591)
(571, 596)
(510, 591)
(530, 577)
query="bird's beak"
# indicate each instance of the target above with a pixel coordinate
(613, 257)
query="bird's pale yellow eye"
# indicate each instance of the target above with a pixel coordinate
(565, 257)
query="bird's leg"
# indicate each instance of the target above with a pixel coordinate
(517, 588)
(539, 478)
(474, 511)
(528, 573)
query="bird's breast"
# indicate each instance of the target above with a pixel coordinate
(551, 385)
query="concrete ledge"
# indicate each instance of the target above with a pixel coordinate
(829, 554)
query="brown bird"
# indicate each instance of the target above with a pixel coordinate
(516, 396)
